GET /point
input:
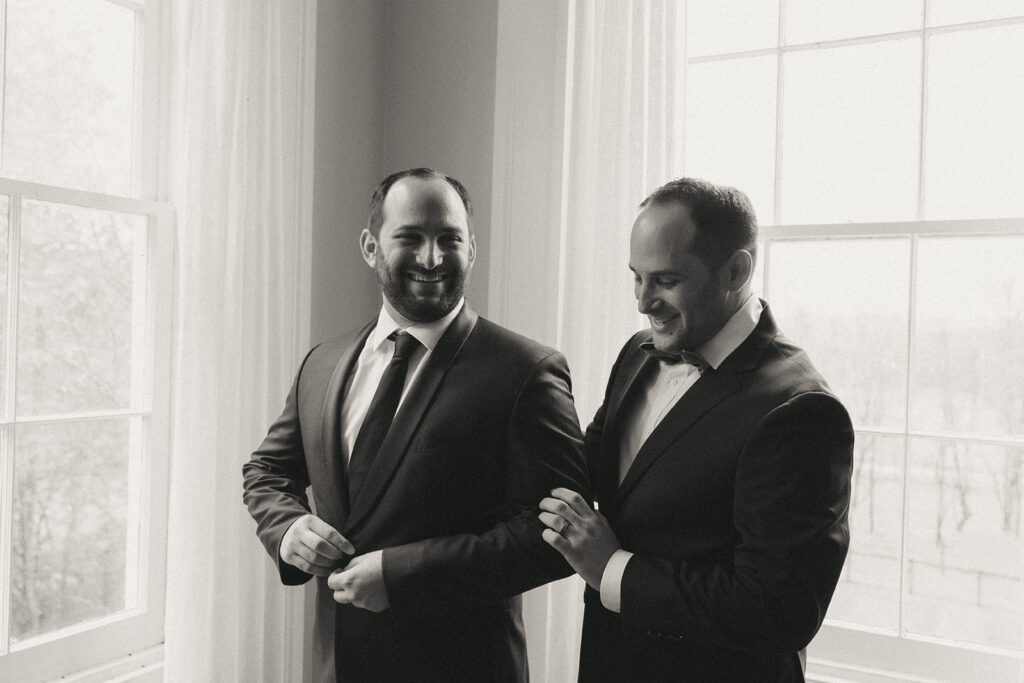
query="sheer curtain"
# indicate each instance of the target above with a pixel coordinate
(238, 173)
(578, 146)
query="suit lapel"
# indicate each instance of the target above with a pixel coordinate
(621, 404)
(409, 415)
(705, 394)
(711, 389)
(330, 423)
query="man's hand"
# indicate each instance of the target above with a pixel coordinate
(579, 533)
(361, 583)
(314, 546)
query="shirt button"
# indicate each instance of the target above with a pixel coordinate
(674, 382)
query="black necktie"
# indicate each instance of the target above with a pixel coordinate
(687, 357)
(381, 412)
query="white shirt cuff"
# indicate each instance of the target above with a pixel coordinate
(611, 580)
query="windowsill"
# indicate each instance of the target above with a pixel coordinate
(841, 653)
(147, 665)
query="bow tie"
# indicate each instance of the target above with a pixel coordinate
(687, 357)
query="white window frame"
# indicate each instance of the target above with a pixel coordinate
(842, 648)
(68, 650)
(131, 640)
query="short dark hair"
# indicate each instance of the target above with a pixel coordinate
(377, 200)
(723, 215)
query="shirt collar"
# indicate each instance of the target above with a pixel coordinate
(428, 334)
(732, 334)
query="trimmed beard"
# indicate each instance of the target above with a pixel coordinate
(418, 309)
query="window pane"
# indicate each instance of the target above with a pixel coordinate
(720, 26)
(963, 573)
(810, 21)
(846, 302)
(71, 521)
(969, 353)
(75, 313)
(942, 12)
(69, 103)
(868, 593)
(730, 126)
(850, 137)
(974, 135)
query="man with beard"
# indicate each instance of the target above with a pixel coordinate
(721, 463)
(427, 437)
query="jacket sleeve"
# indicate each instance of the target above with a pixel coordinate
(792, 495)
(544, 451)
(274, 485)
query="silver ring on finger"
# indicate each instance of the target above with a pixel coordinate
(562, 529)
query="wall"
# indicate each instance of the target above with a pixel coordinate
(439, 103)
(399, 84)
(348, 139)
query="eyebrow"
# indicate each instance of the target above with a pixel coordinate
(659, 273)
(417, 226)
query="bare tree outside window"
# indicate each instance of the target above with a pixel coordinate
(79, 301)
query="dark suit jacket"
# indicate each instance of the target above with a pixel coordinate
(487, 430)
(736, 507)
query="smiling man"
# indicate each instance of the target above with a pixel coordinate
(722, 468)
(427, 436)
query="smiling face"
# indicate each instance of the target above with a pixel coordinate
(686, 300)
(424, 251)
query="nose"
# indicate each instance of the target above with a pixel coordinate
(646, 300)
(429, 255)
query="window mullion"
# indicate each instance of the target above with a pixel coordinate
(141, 390)
(136, 568)
(139, 182)
(10, 358)
(779, 74)
(923, 113)
(911, 339)
(8, 433)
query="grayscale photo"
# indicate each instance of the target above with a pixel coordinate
(511, 341)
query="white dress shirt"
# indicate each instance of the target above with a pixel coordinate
(373, 361)
(661, 392)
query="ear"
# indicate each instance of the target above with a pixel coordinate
(472, 248)
(737, 271)
(368, 246)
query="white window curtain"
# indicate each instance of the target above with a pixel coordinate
(239, 113)
(588, 122)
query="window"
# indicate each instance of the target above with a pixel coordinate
(883, 147)
(84, 297)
